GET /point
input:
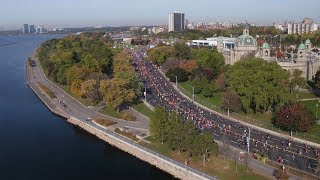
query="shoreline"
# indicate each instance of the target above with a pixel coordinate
(164, 163)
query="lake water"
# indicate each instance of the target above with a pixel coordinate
(36, 144)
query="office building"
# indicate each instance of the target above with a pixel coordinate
(25, 29)
(176, 22)
(32, 29)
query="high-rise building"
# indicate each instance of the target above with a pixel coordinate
(176, 21)
(306, 26)
(25, 29)
(32, 29)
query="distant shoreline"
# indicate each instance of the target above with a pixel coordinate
(8, 44)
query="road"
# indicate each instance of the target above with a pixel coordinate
(71, 107)
(278, 149)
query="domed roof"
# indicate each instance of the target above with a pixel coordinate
(265, 46)
(302, 46)
(308, 41)
(246, 39)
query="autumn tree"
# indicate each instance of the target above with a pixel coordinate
(294, 117)
(188, 65)
(116, 91)
(87, 87)
(232, 101)
(75, 87)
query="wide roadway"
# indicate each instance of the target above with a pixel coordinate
(160, 92)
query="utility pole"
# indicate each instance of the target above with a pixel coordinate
(176, 81)
(228, 108)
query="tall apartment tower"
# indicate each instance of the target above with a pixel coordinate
(176, 22)
(25, 29)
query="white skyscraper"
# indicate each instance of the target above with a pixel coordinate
(176, 21)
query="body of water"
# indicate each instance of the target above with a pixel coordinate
(36, 144)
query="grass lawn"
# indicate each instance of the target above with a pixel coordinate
(127, 134)
(142, 108)
(114, 113)
(110, 112)
(104, 122)
(216, 166)
(47, 90)
(216, 99)
(305, 95)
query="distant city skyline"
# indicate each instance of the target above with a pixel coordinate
(82, 13)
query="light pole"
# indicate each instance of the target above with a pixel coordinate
(145, 94)
(228, 106)
(176, 79)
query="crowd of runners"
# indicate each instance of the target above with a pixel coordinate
(159, 91)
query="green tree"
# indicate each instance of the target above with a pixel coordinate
(260, 84)
(208, 58)
(181, 74)
(159, 124)
(159, 55)
(204, 145)
(182, 51)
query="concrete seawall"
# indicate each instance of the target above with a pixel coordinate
(140, 152)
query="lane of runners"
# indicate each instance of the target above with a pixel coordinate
(160, 92)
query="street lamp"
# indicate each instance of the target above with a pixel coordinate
(176, 79)
(228, 106)
(145, 94)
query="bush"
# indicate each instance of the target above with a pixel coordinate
(181, 74)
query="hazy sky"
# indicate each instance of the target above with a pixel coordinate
(64, 13)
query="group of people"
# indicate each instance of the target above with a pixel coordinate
(160, 92)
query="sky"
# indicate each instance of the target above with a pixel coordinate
(79, 13)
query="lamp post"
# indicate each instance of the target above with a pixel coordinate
(145, 94)
(176, 79)
(228, 106)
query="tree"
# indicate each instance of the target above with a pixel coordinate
(232, 101)
(317, 79)
(159, 55)
(188, 65)
(75, 87)
(204, 145)
(181, 75)
(209, 89)
(87, 87)
(208, 58)
(296, 81)
(159, 123)
(182, 51)
(294, 117)
(116, 91)
(260, 84)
